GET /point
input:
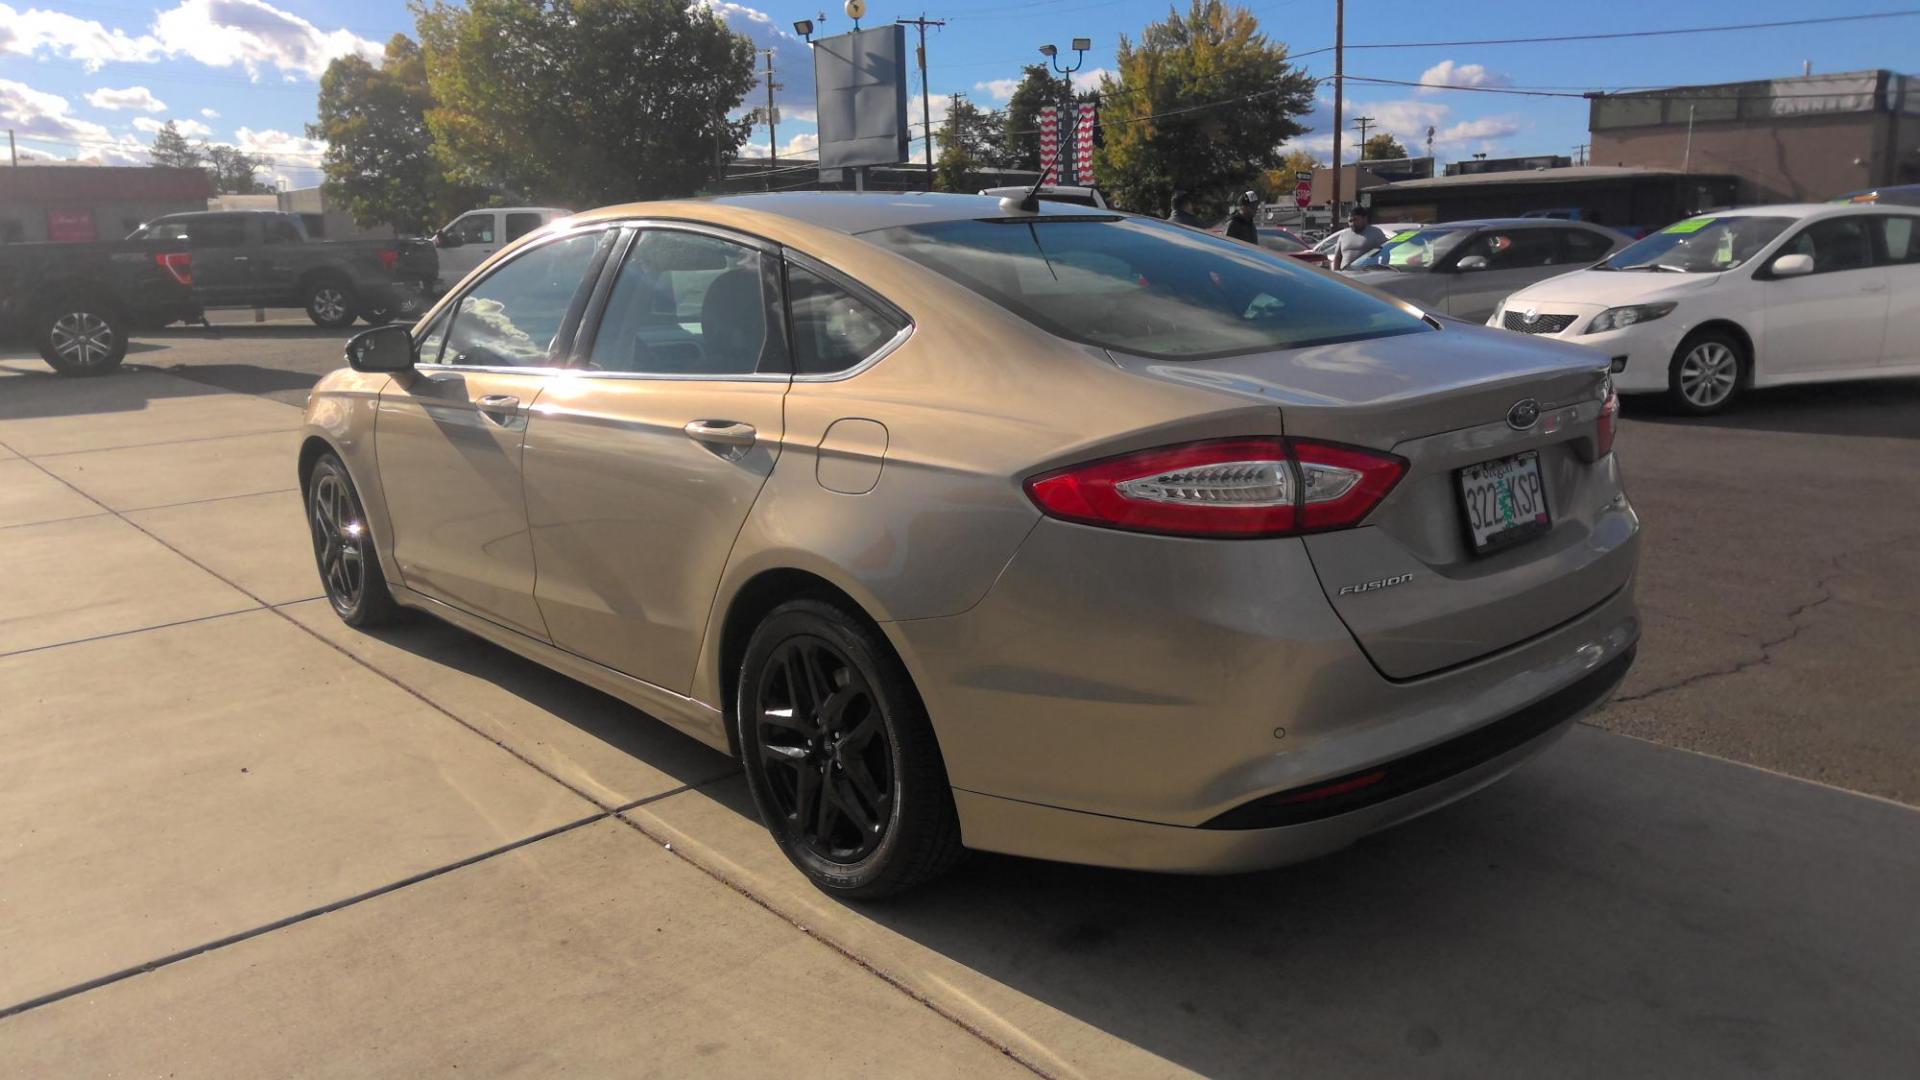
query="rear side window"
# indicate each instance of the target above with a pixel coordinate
(833, 330)
(1901, 238)
(691, 304)
(1511, 249)
(519, 225)
(164, 230)
(281, 231)
(474, 229)
(1145, 287)
(510, 318)
(217, 232)
(1584, 247)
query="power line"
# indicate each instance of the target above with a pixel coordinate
(1620, 34)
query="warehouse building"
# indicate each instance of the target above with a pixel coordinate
(1806, 138)
(79, 203)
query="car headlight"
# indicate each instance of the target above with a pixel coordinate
(1620, 318)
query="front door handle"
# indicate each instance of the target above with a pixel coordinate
(730, 439)
(499, 408)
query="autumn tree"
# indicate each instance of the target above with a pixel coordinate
(1280, 180)
(1200, 104)
(1382, 147)
(380, 165)
(172, 150)
(232, 170)
(583, 102)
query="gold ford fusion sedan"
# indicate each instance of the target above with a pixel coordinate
(968, 524)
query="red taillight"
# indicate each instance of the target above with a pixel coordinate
(1223, 488)
(389, 258)
(1608, 424)
(177, 263)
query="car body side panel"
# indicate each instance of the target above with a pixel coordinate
(343, 411)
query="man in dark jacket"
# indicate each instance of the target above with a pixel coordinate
(1183, 211)
(1240, 225)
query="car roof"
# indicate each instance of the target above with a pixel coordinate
(1512, 223)
(1795, 210)
(853, 212)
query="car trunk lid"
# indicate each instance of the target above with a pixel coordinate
(1408, 581)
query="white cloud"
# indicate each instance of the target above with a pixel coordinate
(211, 114)
(30, 31)
(1407, 120)
(281, 147)
(192, 129)
(804, 145)
(133, 97)
(249, 34)
(1090, 79)
(31, 112)
(998, 89)
(792, 57)
(1447, 73)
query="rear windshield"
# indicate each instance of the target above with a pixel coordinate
(1147, 288)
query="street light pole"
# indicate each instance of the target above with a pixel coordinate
(1080, 47)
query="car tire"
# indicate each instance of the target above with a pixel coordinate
(1707, 373)
(82, 335)
(343, 547)
(331, 302)
(840, 756)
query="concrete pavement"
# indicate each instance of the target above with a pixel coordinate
(239, 838)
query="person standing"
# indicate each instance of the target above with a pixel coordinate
(1361, 236)
(1183, 213)
(1240, 225)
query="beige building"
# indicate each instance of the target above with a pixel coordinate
(1806, 138)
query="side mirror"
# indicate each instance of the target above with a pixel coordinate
(1471, 262)
(1792, 266)
(383, 348)
(445, 239)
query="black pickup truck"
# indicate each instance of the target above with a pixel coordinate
(262, 258)
(78, 302)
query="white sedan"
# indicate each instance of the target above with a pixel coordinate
(1762, 296)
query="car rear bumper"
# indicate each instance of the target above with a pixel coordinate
(1116, 699)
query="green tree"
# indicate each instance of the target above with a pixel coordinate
(1020, 120)
(1201, 104)
(171, 149)
(232, 170)
(380, 164)
(583, 102)
(1382, 147)
(969, 142)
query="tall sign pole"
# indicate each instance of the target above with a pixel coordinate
(926, 103)
(1339, 92)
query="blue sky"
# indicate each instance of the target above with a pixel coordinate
(93, 80)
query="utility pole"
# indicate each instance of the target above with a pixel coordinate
(1363, 122)
(773, 122)
(1580, 153)
(1339, 92)
(13, 154)
(926, 104)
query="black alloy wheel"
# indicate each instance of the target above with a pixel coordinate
(343, 547)
(81, 337)
(331, 303)
(840, 756)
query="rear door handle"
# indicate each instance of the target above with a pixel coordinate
(730, 439)
(500, 408)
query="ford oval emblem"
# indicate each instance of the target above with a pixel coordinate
(1523, 414)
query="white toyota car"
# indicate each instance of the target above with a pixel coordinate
(1731, 299)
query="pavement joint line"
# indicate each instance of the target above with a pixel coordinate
(214, 499)
(1710, 756)
(134, 630)
(164, 442)
(282, 923)
(295, 623)
(833, 945)
(54, 521)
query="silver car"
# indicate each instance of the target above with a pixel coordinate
(1465, 268)
(1065, 534)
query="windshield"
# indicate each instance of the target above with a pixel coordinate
(1413, 251)
(1145, 287)
(1702, 245)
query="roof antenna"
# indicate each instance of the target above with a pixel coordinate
(1030, 202)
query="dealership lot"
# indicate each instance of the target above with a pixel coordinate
(237, 837)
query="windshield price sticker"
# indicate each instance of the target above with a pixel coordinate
(1690, 225)
(1399, 237)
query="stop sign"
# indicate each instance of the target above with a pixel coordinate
(1303, 194)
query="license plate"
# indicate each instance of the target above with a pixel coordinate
(1505, 501)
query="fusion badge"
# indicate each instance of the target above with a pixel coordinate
(1378, 583)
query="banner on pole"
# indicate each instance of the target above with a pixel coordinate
(1049, 144)
(1083, 142)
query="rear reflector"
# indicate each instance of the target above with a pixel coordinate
(1225, 488)
(177, 263)
(1608, 424)
(389, 258)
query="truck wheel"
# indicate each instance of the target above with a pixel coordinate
(331, 303)
(378, 315)
(81, 336)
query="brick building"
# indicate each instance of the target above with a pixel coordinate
(92, 202)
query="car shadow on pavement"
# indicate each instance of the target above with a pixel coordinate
(277, 383)
(268, 331)
(27, 393)
(1888, 408)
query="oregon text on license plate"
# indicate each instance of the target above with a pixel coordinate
(1505, 500)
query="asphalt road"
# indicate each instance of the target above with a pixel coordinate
(1781, 581)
